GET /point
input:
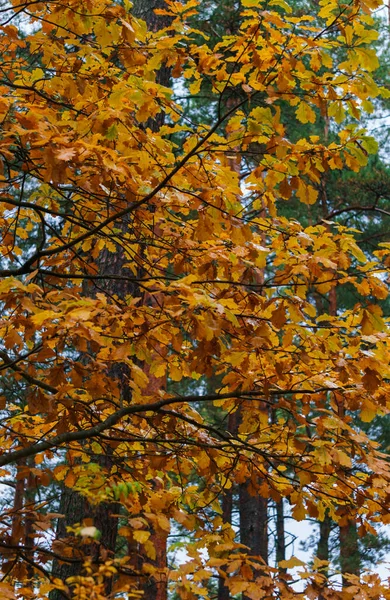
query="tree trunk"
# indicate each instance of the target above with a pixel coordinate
(280, 535)
(349, 551)
(253, 522)
(227, 507)
(253, 516)
(73, 508)
(17, 524)
(323, 542)
(348, 537)
(144, 9)
(9, 557)
(323, 548)
(76, 509)
(31, 487)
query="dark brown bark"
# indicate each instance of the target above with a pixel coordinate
(31, 487)
(156, 588)
(75, 510)
(350, 559)
(323, 542)
(253, 521)
(349, 551)
(348, 536)
(323, 548)
(326, 524)
(73, 507)
(280, 535)
(144, 9)
(17, 518)
(22, 520)
(227, 506)
(253, 510)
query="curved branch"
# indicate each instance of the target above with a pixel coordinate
(91, 432)
(11, 364)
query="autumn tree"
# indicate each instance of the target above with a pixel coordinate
(99, 160)
(344, 197)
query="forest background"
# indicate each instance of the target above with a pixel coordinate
(194, 293)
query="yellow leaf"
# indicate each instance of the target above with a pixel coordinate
(80, 314)
(282, 4)
(37, 74)
(237, 587)
(158, 370)
(195, 86)
(291, 563)
(139, 376)
(141, 536)
(42, 316)
(164, 523)
(366, 58)
(306, 193)
(7, 591)
(116, 97)
(336, 110)
(299, 512)
(60, 472)
(175, 374)
(368, 412)
(305, 114)
(355, 250)
(236, 358)
(150, 550)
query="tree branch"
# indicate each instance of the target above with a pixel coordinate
(91, 432)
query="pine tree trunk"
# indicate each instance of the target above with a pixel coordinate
(29, 536)
(227, 506)
(350, 559)
(323, 549)
(10, 556)
(253, 522)
(156, 588)
(280, 535)
(74, 508)
(17, 525)
(323, 542)
(253, 516)
(348, 537)
(144, 9)
(349, 551)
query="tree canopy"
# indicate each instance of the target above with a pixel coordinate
(154, 288)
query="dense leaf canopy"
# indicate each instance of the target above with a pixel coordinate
(145, 253)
